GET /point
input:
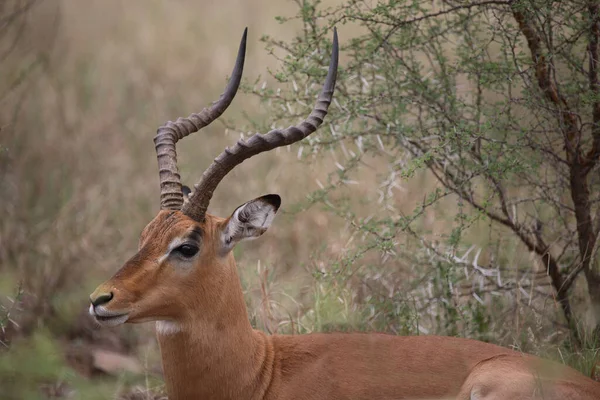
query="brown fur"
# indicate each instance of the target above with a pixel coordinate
(217, 354)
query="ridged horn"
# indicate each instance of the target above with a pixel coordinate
(258, 143)
(171, 197)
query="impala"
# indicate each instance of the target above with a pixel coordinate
(184, 278)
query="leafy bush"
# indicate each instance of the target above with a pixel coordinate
(493, 108)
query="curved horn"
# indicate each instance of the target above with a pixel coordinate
(242, 150)
(171, 197)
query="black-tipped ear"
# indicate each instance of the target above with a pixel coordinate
(250, 220)
(186, 191)
(272, 199)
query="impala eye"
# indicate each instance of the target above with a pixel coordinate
(187, 250)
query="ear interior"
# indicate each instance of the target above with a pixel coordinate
(250, 220)
(186, 191)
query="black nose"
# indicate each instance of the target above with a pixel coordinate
(102, 299)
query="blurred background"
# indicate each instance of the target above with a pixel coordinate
(370, 237)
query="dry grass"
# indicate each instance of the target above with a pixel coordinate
(78, 171)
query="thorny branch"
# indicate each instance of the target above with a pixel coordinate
(523, 104)
(399, 24)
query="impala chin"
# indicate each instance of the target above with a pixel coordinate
(106, 317)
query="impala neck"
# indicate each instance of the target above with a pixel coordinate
(215, 354)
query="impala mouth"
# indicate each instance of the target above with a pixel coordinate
(105, 317)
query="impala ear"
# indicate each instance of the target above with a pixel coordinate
(186, 191)
(249, 220)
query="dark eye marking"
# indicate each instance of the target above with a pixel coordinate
(190, 245)
(195, 234)
(187, 250)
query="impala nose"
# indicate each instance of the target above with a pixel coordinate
(103, 298)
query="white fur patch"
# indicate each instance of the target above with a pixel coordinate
(167, 327)
(256, 214)
(249, 221)
(475, 394)
(173, 245)
(106, 317)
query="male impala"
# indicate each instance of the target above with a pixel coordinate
(184, 277)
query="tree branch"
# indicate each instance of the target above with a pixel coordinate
(399, 24)
(567, 118)
(594, 36)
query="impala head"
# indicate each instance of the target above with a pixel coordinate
(184, 258)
